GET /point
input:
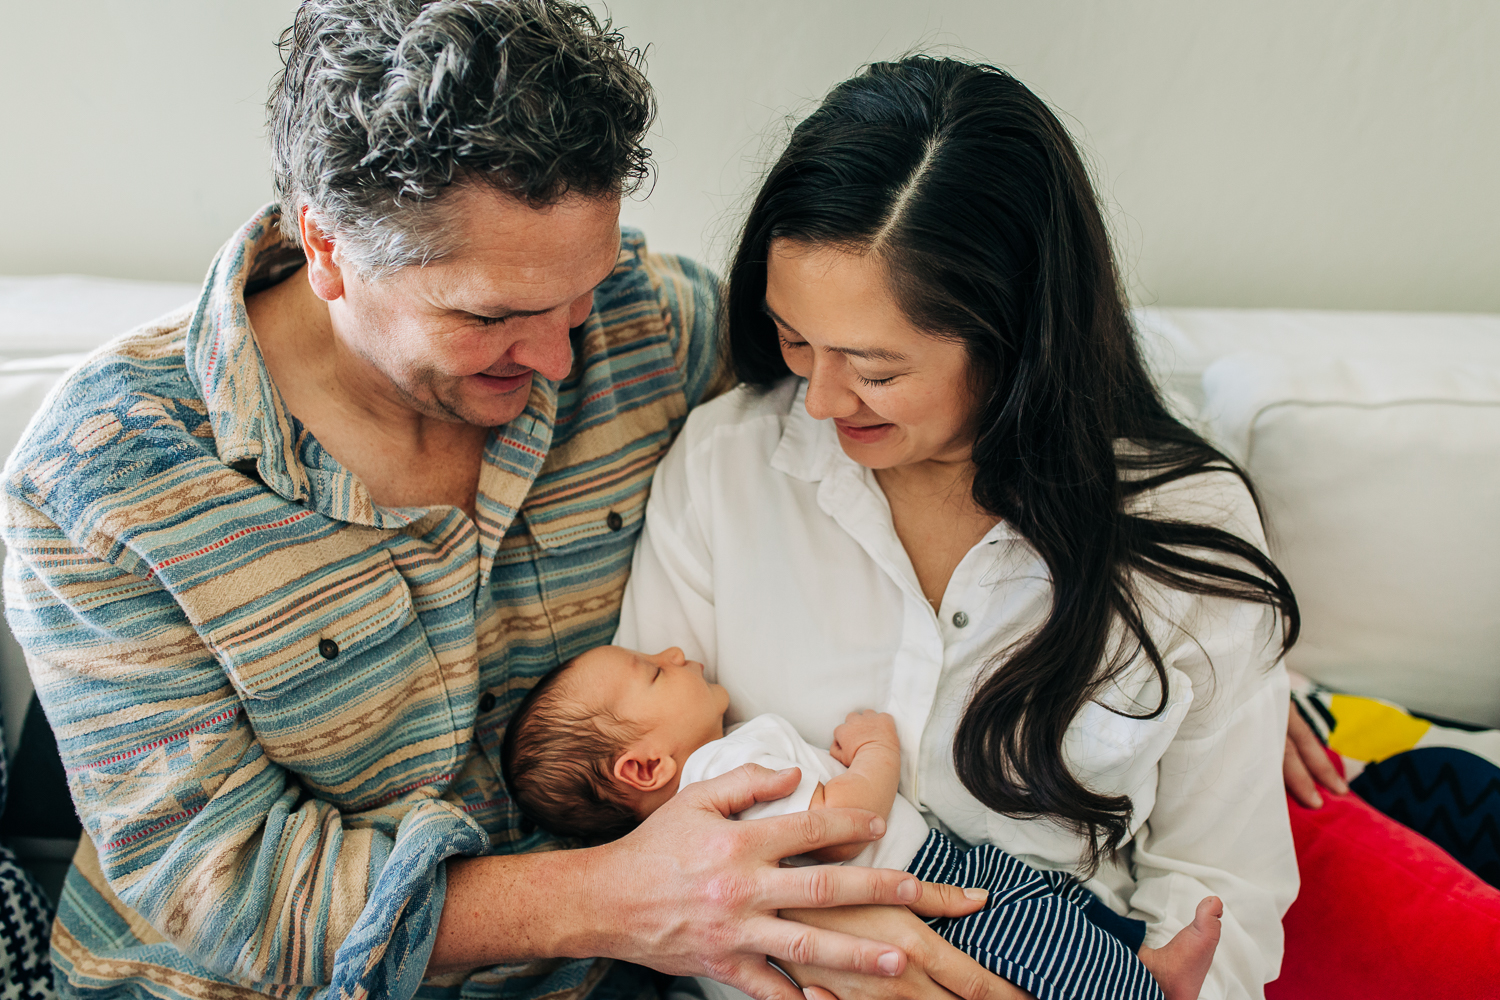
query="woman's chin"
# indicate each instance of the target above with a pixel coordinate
(872, 456)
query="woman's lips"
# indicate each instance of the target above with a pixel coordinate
(502, 384)
(863, 434)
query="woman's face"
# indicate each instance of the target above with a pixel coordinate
(898, 396)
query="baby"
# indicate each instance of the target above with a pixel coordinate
(604, 740)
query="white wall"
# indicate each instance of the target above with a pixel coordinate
(132, 138)
(1329, 153)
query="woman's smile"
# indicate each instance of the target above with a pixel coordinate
(864, 433)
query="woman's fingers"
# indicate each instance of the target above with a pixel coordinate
(966, 978)
(1314, 756)
(758, 979)
(938, 900)
(801, 944)
(1306, 764)
(818, 993)
(1298, 781)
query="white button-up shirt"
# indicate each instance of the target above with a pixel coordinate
(771, 556)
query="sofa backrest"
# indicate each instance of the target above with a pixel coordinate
(1374, 440)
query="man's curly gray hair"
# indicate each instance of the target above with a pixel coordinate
(385, 104)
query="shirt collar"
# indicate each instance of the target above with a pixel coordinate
(809, 449)
(252, 429)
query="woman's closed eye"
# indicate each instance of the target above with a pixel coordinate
(790, 345)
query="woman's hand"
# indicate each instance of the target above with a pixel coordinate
(935, 970)
(1306, 764)
(690, 892)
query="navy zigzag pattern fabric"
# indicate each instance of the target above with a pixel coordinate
(1032, 931)
(1448, 795)
(25, 923)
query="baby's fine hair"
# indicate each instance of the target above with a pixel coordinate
(558, 757)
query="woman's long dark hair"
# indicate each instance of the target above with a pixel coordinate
(972, 195)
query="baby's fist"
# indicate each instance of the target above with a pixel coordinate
(859, 729)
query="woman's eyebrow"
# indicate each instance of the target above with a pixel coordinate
(867, 353)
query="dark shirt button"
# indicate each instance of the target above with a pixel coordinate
(486, 702)
(615, 521)
(328, 648)
(960, 619)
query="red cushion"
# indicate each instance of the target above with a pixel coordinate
(1384, 913)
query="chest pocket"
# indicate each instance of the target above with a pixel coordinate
(584, 513)
(334, 668)
(1115, 754)
(592, 491)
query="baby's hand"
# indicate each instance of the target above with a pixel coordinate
(859, 729)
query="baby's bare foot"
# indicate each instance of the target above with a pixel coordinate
(1181, 965)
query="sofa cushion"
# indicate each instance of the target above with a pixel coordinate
(1383, 912)
(1435, 776)
(1380, 480)
(1180, 344)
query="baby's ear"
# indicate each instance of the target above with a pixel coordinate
(644, 770)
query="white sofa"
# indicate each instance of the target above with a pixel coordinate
(1373, 437)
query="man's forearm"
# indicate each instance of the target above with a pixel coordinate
(518, 907)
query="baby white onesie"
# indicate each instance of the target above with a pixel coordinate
(770, 741)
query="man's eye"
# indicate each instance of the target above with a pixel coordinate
(491, 320)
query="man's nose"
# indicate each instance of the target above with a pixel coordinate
(546, 347)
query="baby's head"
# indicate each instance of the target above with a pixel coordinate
(598, 744)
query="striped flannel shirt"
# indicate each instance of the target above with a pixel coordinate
(280, 706)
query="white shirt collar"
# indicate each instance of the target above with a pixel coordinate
(809, 448)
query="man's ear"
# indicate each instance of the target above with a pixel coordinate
(645, 768)
(323, 272)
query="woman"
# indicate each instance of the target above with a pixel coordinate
(949, 490)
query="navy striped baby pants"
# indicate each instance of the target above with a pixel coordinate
(1041, 930)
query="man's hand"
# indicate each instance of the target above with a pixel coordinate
(1306, 765)
(690, 892)
(860, 728)
(935, 970)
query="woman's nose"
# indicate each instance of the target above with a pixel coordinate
(826, 398)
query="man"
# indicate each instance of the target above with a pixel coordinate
(284, 563)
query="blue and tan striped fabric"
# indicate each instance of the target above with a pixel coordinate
(280, 706)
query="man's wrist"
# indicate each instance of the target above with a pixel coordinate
(588, 918)
(516, 908)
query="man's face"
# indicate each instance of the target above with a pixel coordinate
(459, 340)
